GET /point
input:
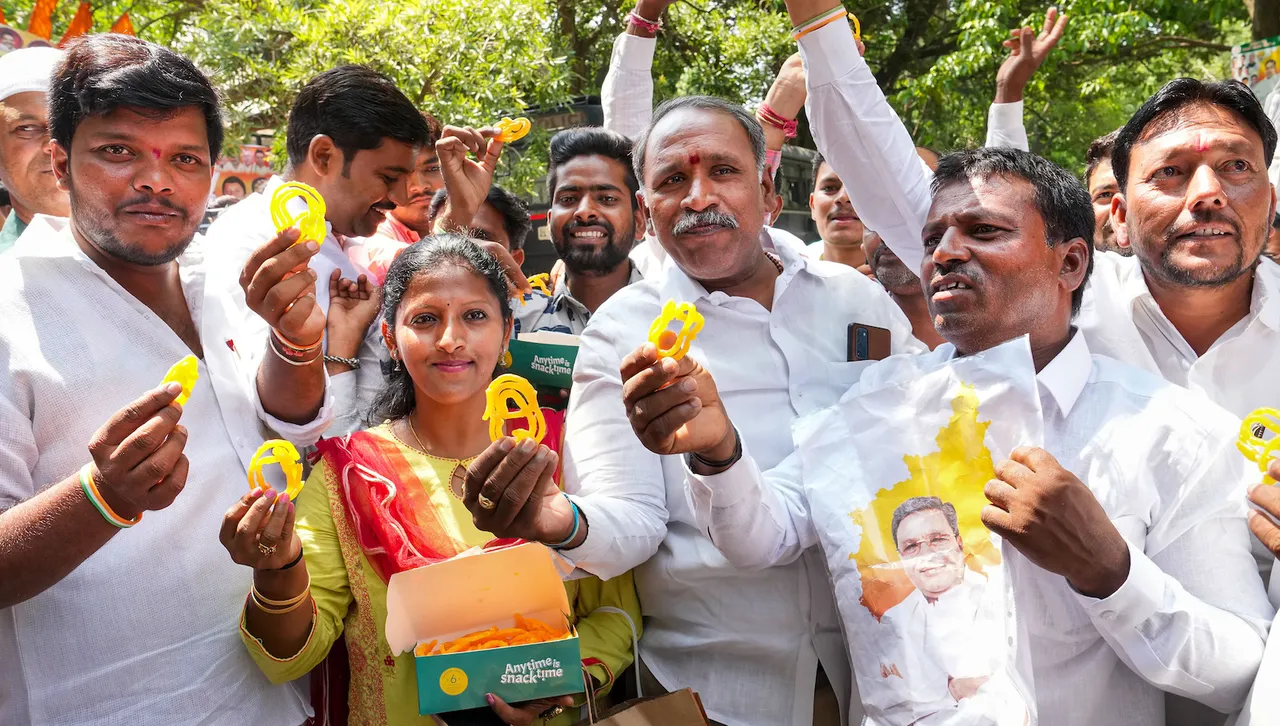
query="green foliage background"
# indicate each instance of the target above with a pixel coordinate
(473, 61)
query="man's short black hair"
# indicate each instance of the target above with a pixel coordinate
(915, 505)
(100, 73)
(707, 103)
(515, 213)
(818, 161)
(591, 141)
(1158, 115)
(1062, 200)
(1099, 151)
(358, 108)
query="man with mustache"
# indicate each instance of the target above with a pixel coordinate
(352, 136)
(108, 503)
(759, 648)
(1101, 181)
(1198, 303)
(24, 140)
(1133, 573)
(902, 285)
(408, 222)
(839, 227)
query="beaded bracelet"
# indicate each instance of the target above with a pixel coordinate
(95, 498)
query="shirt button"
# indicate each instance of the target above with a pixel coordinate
(1108, 615)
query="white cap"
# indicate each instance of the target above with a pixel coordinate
(26, 70)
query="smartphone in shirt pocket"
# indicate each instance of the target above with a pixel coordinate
(867, 342)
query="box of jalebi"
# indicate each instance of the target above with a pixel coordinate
(503, 628)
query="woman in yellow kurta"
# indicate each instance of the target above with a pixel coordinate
(390, 498)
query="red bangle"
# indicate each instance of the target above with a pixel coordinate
(648, 26)
(771, 117)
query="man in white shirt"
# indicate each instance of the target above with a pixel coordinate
(776, 339)
(1133, 571)
(99, 624)
(1197, 304)
(359, 162)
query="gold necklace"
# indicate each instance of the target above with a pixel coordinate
(457, 478)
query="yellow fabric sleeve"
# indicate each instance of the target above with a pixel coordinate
(606, 635)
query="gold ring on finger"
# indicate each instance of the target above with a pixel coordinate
(266, 550)
(486, 502)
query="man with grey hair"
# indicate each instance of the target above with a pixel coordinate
(761, 648)
(25, 167)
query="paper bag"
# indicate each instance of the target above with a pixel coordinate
(681, 708)
(894, 477)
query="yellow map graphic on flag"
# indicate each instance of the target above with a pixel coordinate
(955, 473)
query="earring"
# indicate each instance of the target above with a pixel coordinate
(506, 358)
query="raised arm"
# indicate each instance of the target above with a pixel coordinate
(859, 134)
(627, 91)
(1027, 52)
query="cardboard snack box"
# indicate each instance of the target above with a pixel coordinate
(471, 592)
(545, 358)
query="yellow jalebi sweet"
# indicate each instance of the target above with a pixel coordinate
(541, 282)
(277, 451)
(857, 27)
(185, 372)
(515, 389)
(691, 321)
(513, 129)
(1254, 447)
(310, 223)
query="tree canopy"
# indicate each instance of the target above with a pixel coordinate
(473, 61)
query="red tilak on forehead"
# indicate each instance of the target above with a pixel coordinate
(1200, 145)
(155, 153)
(694, 159)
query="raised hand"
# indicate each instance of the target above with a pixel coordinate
(673, 406)
(353, 306)
(1027, 52)
(258, 531)
(138, 464)
(467, 178)
(511, 492)
(280, 287)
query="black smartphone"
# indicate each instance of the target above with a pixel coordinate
(867, 342)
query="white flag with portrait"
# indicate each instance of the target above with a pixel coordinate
(894, 475)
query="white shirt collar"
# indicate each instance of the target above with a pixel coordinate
(1064, 377)
(1265, 304)
(675, 284)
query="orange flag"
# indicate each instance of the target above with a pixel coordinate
(123, 25)
(2, 20)
(82, 23)
(41, 21)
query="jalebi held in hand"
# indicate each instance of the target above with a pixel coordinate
(675, 345)
(310, 223)
(513, 129)
(277, 451)
(185, 373)
(526, 630)
(541, 282)
(514, 389)
(1253, 446)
